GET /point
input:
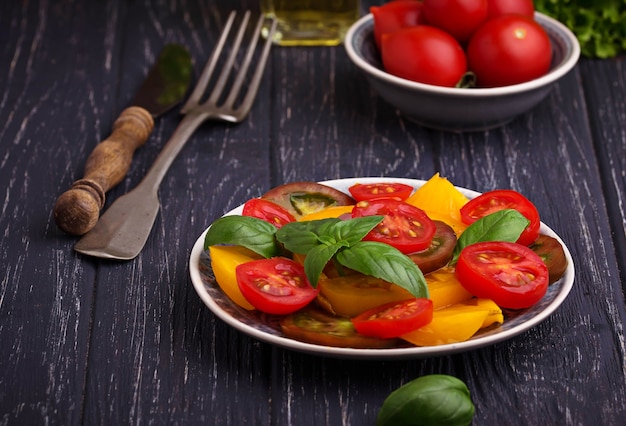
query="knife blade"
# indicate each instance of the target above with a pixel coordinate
(77, 210)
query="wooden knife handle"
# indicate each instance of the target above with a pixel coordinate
(77, 210)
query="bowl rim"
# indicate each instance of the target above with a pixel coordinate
(570, 60)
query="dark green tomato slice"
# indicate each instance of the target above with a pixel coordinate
(440, 251)
(312, 325)
(552, 254)
(302, 198)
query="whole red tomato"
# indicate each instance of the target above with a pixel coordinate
(424, 54)
(504, 7)
(460, 18)
(507, 50)
(390, 17)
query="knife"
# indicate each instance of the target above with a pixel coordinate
(77, 210)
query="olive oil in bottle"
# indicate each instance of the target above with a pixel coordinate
(311, 22)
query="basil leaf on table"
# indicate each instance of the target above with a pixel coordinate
(250, 232)
(435, 399)
(387, 263)
(503, 225)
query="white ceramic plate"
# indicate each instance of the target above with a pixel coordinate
(265, 328)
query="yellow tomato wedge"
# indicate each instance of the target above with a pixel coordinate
(351, 295)
(456, 323)
(495, 313)
(441, 201)
(224, 261)
(445, 289)
(333, 211)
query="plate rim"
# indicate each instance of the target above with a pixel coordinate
(566, 283)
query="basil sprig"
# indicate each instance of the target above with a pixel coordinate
(323, 241)
(327, 239)
(503, 225)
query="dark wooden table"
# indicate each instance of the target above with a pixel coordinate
(89, 341)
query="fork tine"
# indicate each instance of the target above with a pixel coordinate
(236, 87)
(226, 69)
(209, 68)
(247, 101)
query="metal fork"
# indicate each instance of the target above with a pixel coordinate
(123, 229)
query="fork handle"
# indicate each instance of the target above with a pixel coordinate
(77, 210)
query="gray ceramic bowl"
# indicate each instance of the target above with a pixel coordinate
(456, 109)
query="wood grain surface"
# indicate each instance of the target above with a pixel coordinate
(90, 341)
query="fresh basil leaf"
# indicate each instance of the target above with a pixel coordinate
(434, 399)
(385, 262)
(301, 237)
(503, 225)
(250, 232)
(316, 260)
(353, 230)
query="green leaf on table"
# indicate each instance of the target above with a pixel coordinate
(385, 262)
(250, 232)
(504, 225)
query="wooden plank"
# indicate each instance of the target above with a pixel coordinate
(158, 352)
(604, 83)
(55, 91)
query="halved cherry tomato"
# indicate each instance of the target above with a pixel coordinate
(275, 286)
(424, 54)
(267, 211)
(552, 254)
(500, 199)
(510, 274)
(392, 16)
(440, 251)
(394, 319)
(404, 226)
(367, 191)
(503, 7)
(460, 18)
(302, 198)
(313, 325)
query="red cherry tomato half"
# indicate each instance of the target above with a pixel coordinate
(275, 286)
(424, 54)
(510, 274)
(267, 211)
(367, 191)
(394, 319)
(404, 226)
(497, 8)
(460, 18)
(509, 49)
(392, 16)
(500, 199)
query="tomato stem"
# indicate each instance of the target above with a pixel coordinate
(467, 81)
